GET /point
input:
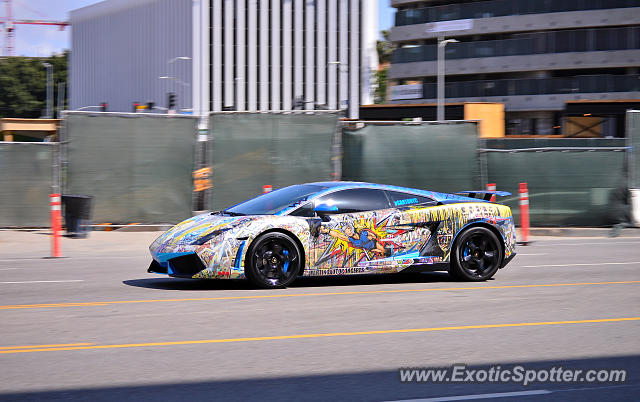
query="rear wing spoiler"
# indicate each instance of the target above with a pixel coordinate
(484, 194)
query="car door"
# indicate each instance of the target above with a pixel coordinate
(349, 238)
(416, 230)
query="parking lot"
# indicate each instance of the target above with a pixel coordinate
(94, 325)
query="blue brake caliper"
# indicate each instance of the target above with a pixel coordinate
(286, 264)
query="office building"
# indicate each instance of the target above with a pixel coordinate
(534, 56)
(225, 55)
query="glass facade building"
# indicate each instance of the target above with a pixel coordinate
(533, 56)
(421, 13)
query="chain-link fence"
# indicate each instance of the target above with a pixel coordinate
(26, 182)
(633, 141)
(250, 150)
(138, 167)
(427, 155)
(571, 182)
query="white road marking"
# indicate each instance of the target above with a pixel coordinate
(582, 264)
(7, 269)
(75, 258)
(521, 254)
(592, 388)
(509, 394)
(548, 243)
(111, 257)
(479, 396)
(63, 281)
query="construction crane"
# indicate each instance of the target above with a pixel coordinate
(8, 27)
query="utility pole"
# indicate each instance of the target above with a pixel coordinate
(49, 113)
(441, 94)
(61, 88)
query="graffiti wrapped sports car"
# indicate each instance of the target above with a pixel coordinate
(334, 228)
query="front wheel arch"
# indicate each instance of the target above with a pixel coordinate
(295, 238)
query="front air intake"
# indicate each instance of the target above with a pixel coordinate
(185, 266)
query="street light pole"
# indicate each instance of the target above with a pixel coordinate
(174, 78)
(441, 44)
(49, 112)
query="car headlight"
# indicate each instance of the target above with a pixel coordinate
(208, 237)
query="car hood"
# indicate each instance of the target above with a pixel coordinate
(185, 233)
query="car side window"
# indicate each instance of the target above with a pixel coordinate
(348, 201)
(355, 200)
(305, 210)
(399, 199)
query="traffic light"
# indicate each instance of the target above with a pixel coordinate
(172, 101)
(103, 106)
(135, 106)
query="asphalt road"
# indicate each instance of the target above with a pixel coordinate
(96, 326)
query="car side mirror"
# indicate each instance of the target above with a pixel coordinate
(322, 210)
(325, 208)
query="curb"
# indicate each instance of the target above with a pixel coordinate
(585, 232)
(144, 228)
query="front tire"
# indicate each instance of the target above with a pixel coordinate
(476, 255)
(273, 261)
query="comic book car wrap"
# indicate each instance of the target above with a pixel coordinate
(404, 235)
(391, 240)
(222, 255)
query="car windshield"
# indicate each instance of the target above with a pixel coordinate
(275, 201)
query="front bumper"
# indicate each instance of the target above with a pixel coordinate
(507, 260)
(182, 265)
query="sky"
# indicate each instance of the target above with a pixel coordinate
(42, 40)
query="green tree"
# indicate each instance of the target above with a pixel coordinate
(384, 48)
(23, 83)
(385, 51)
(380, 93)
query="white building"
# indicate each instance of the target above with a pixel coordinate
(216, 55)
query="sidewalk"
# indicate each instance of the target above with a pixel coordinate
(21, 244)
(584, 232)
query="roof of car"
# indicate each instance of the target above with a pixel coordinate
(333, 185)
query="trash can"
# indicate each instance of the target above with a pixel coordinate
(77, 214)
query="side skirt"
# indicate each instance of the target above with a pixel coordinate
(438, 266)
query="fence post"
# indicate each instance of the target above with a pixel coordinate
(524, 213)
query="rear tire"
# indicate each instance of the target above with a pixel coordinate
(273, 261)
(476, 256)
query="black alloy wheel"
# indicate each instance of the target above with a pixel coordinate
(477, 255)
(273, 261)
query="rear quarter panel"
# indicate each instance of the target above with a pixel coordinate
(453, 218)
